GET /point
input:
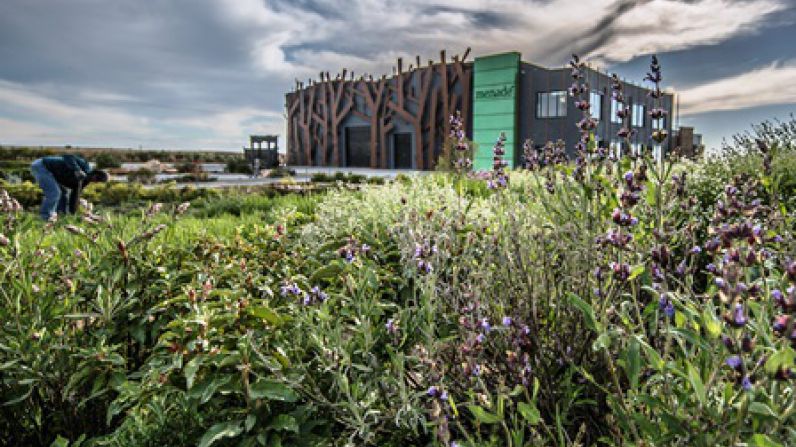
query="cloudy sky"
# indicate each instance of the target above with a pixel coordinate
(204, 74)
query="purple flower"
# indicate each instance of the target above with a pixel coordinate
(746, 383)
(720, 283)
(526, 330)
(443, 395)
(628, 176)
(711, 268)
(728, 343)
(480, 338)
(663, 301)
(507, 321)
(432, 391)
(477, 370)
(307, 300)
(485, 325)
(390, 325)
(696, 249)
(734, 362)
(780, 323)
(669, 310)
(739, 319)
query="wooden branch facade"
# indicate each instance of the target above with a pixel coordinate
(396, 122)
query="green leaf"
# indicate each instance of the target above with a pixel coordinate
(529, 412)
(272, 390)
(483, 416)
(696, 382)
(761, 409)
(712, 325)
(633, 364)
(784, 357)
(586, 309)
(637, 270)
(284, 422)
(190, 371)
(221, 430)
(267, 314)
(329, 271)
(60, 441)
(251, 419)
(653, 357)
(761, 440)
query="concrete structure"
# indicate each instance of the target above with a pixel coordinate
(260, 157)
(402, 122)
(688, 143)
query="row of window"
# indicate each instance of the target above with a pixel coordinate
(554, 105)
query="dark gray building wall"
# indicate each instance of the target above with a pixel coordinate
(535, 80)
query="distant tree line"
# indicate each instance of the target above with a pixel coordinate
(113, 156)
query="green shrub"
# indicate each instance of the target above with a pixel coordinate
(238, 165)
(143, 176)
(107, 160)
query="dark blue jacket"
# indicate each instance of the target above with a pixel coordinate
(69, 170)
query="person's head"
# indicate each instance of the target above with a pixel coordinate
(97, 176)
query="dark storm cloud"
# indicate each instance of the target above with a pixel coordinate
(159, 53)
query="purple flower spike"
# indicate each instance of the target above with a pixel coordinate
(669, 310)
(746, 383)
(739, 318)
(734, 362)
(507, 321)
(663, 301)
(695, 250)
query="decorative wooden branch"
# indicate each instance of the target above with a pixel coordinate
(423, 97)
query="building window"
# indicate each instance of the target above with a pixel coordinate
(551, 104)
(659, 123)
(614, 110)
(596, 101)
(636, 148)
(637, 118)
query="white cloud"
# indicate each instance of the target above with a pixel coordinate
(546, 32)
(74, 120)
(38, 119)
(770, 85)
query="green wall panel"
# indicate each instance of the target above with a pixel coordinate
(495, 92)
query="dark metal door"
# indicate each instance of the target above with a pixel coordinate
(402, 150)
(358, 147)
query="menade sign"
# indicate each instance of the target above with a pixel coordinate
(506, 91)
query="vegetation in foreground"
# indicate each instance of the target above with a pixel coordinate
(606, 302)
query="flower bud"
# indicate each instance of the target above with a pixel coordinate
(747, 344)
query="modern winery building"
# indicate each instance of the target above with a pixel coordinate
(402, 121)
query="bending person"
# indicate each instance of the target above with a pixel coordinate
(62, 178)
